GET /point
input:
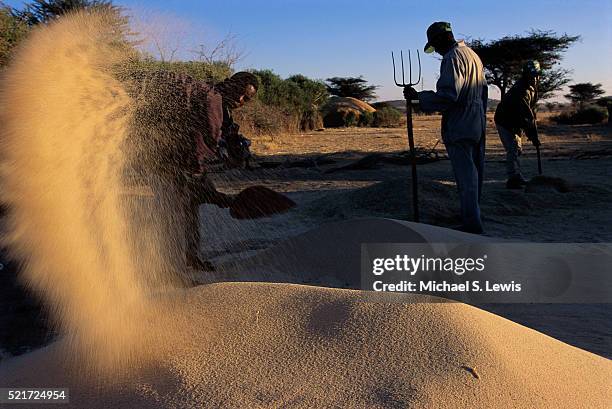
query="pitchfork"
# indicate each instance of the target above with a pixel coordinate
(403, 84)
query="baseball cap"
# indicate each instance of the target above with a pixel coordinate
(434, 30)
(532, 67)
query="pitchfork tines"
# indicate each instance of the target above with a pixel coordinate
(410, 83)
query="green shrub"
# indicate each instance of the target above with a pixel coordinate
(257, 118)
(297, 95)
(12, 31)
(366, 119)
(387, 117)
(209, 72)
(334, 119)
(275, 91)
(346, 118)
(351, 119)
(587, 115)
(289, 105)
(311, 120)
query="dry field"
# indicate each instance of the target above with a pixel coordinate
(300, 165)
(582, 155)
(558, 139)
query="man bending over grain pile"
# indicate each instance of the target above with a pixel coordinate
(180, 126)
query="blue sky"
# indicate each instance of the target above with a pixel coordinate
(322, 39)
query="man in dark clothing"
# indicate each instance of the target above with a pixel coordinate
(516, 114)
(182, 125)
(461, 96)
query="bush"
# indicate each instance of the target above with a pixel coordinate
(311, 120)
(213, 73)
(587, 115)
(297, 95)
(366, 119)
(281, 106)
(351, 119)
(344, 118)
(257, 118)
(387, 117)
(12, 31)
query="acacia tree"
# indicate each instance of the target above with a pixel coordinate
(503, 59)
(355, 87)
(583, 93)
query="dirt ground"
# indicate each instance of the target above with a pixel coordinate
(301, 165)
(305, 167)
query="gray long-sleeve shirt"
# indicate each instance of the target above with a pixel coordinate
(461, 95)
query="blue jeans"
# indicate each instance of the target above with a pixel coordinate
(467, 160)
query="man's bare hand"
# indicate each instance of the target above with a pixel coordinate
(411, 94)
(532, 135)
